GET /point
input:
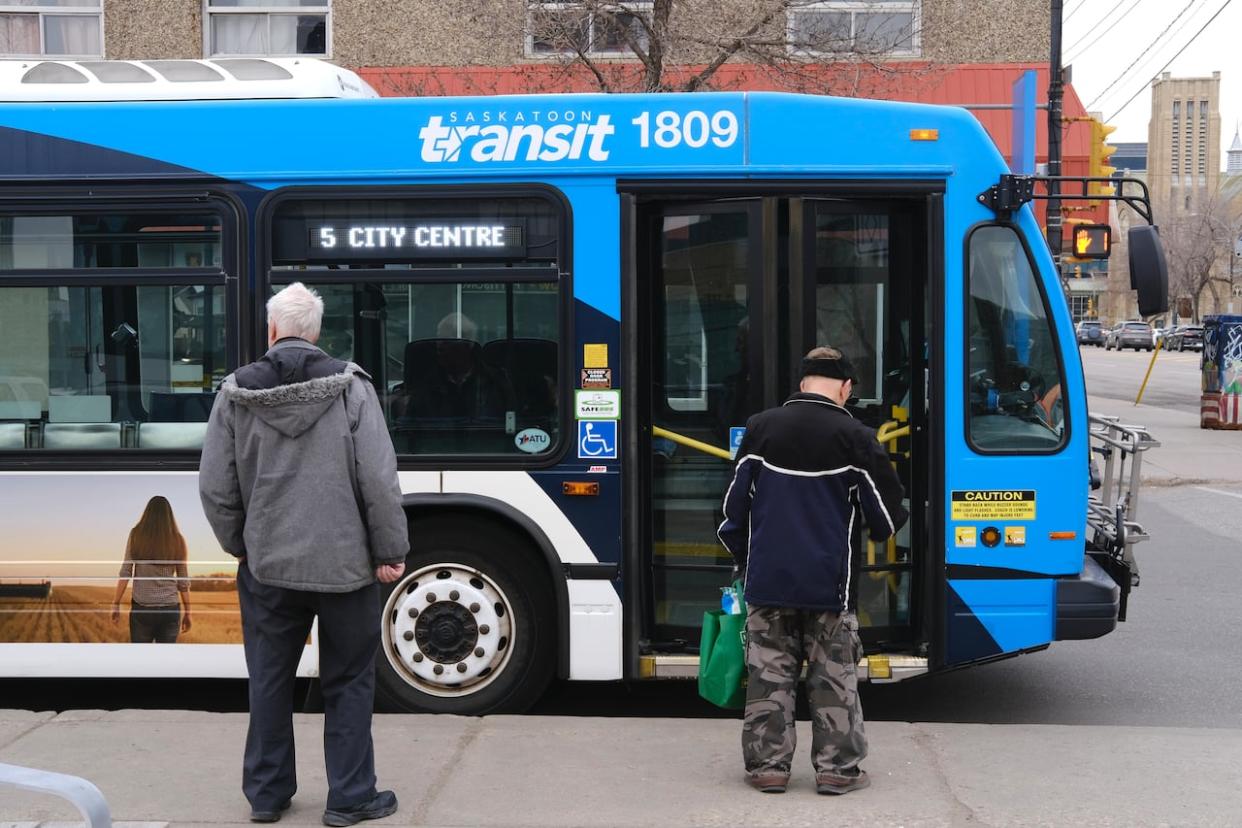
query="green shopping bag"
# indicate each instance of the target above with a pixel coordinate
(722, 656)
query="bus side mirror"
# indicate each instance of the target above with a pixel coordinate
(1149, 272)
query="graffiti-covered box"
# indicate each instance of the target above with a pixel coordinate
(1221, 364)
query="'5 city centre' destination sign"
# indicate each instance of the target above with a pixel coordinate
(395, 240)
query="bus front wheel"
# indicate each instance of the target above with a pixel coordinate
(470, 627)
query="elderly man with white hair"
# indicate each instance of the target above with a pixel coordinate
(299, 482)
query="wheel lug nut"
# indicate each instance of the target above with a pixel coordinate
(474, 607)
(439, 668)
(408, 636)
(417, 657)
(484, 629)
(431, 597)
(413, 613)
(478, 651)
(461, 667)
(454, 595)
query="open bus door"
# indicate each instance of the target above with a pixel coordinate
(729, 294)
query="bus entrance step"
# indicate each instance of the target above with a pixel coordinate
(878, 668)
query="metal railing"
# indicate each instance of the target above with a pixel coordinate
(1112, 509)
(84, 796)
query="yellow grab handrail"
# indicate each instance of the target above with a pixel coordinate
(690, 442)
(887, 433)
(891, 431)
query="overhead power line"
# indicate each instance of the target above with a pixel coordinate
(1175, 57)
(1076, 52)
(1072, 11)
(1150, 46)
(1092, 28)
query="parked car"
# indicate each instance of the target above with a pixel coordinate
(1090, 332)
(1136, 335)
(1183, 337)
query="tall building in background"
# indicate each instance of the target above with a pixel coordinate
(1183, 142)
(1233, 162)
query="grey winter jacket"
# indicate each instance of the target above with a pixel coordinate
(298, 473)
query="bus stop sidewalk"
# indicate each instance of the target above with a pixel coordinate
(1187, 454)
(183, 768)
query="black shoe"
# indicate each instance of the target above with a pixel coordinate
(381, 805)
(270, 816)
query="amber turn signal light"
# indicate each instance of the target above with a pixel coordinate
(580, 489)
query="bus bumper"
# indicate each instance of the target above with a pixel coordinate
(1087, 603)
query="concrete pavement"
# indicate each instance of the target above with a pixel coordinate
(183, 768)
(1170, 410)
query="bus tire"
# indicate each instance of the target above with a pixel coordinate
(470, 628)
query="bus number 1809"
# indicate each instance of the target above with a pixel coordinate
(694, 129)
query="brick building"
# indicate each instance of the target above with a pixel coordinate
(395, 33)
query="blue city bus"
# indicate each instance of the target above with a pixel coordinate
(568, 305)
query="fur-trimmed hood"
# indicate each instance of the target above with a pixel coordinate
(292, 386)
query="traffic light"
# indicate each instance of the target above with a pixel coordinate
(1099, 157)
(1092, 241)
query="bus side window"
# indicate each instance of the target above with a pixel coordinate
(1014, 379)
(122, 363)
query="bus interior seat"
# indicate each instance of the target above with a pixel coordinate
(27, 410)
(531, 367)
(422, 356)
(79, 408)
(170, 436)
(12, 436)
(169, 407)
(94, 436)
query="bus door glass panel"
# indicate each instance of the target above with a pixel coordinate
(117, 364)
(862, 306)
(704, 370)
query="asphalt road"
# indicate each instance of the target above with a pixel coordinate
(1174, 381)
(1171, 664)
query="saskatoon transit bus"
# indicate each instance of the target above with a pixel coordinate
(569, 306)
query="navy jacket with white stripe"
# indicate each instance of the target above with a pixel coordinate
(804, 473)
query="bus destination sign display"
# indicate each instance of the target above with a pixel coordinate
(396, 240)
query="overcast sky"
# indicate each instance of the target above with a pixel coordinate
(1125, 28)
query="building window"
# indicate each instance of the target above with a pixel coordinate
(51, 28)
(268, 28)
(1177, 109)
(889, 27)
(569, 29)
(1203, 110)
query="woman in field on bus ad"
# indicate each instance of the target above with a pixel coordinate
(155, 559)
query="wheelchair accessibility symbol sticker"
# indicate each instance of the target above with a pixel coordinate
(597, 439)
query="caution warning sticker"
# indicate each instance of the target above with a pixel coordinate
(994, 504)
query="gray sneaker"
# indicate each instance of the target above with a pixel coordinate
(381, 805)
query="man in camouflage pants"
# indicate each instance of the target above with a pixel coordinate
(804, 472)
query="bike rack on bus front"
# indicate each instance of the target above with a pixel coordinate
(1113, 510)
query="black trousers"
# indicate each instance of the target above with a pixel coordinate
(275, 625)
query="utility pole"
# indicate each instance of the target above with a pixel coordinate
(1054, 140)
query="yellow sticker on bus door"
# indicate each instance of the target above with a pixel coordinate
(993, 504)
